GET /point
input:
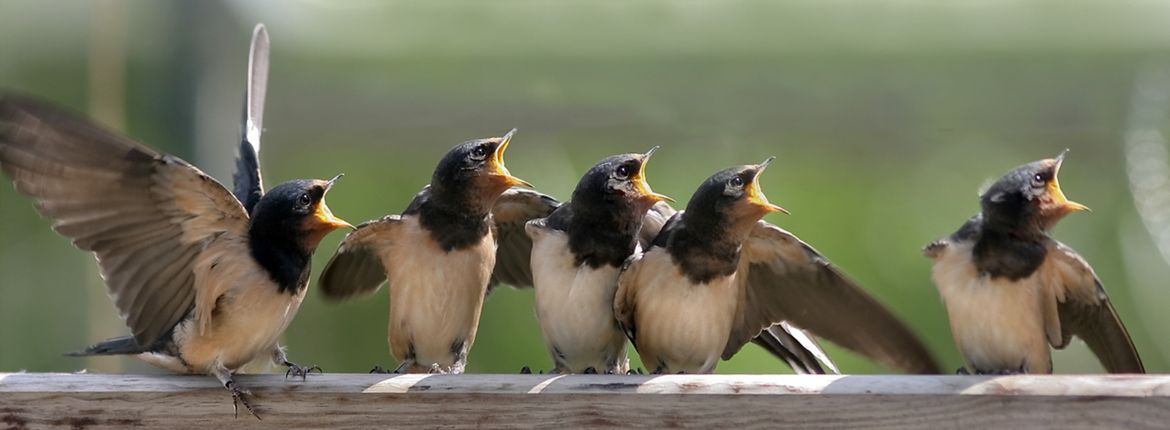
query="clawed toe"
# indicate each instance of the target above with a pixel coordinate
(295, 370)
(525, 370)
(240, 396)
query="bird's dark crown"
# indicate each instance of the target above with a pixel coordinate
(286, 226)
(1028, 199)
(607, 209)
(717, 220)
(466, 184)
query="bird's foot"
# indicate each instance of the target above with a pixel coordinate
(436, 369)
(380, 370)
(240, 396)
(295, 370)
(525, 370)
(962, 371)
(590, 371)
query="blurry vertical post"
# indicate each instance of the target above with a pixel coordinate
(106, 88)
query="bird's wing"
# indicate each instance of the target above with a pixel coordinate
(1082, 309)
(796, 347)
(145, 215)
(624, 298)
(653, 223)
(782, 278)
(513, 246)
(356, 269)
(248, 184)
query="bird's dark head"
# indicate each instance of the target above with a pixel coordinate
(297, 209)
(1028, 197)
(732, 198)
(618, 182)
(475, 171)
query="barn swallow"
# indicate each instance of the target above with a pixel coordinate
(463, 233)
(1012, 291)
(205, 280)
(577, 254)
(717, 276)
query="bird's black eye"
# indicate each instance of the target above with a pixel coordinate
(1038, 180)
(304, 200)
(479, 152)
(622, 172)
(737, 182)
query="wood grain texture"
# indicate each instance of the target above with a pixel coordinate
(591, 401)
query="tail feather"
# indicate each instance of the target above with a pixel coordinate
(116, 346)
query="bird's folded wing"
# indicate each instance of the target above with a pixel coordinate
(356, 268)
(513, 246)
(625, 298)
(145, 215)
(653, 223)
(248, 185)
(782, 278)
(1084, 310)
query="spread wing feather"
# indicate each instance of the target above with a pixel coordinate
(145, 215)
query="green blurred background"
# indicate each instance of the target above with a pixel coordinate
(885, 116)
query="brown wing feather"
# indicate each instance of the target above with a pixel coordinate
(513, 246)
(145, 215)
(356, 268)
(784, 279)
(1086, 312)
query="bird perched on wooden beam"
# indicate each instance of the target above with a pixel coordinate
(206, 280)
(1012, 291)
(717, 277)
(463, 233)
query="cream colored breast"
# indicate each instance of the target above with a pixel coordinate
(574, 304)
(249, 316)
(997, 324)
(683, 325)
(435, 296)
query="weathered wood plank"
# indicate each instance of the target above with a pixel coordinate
(512, 401)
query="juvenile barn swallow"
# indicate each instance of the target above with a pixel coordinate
(577, 254)
(1011, 290)
(717, 276)
(205, 280)
(461, 234)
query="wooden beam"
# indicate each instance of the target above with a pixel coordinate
(36, 400)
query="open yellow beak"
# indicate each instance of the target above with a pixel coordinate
(498, 163)
(756, 196)
(1058, 197)
(640, 183)
(325, 216)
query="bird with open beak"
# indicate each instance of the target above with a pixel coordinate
(206, 280)
(577, 254)
(717, 277)
(1012, 291)
(460, 235)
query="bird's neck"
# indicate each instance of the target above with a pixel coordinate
(283, 256)
(602, 235)
(1009, 250)
(453, 222)
(704, 251)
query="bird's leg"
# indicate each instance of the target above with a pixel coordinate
(590, 371)
(962, 371)
(525, 370)
(239, 395)
(294, 370)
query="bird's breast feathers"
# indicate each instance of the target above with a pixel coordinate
(435, 296)
(574, 303)
(997, 323)
(680, 324)
(239, 310)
